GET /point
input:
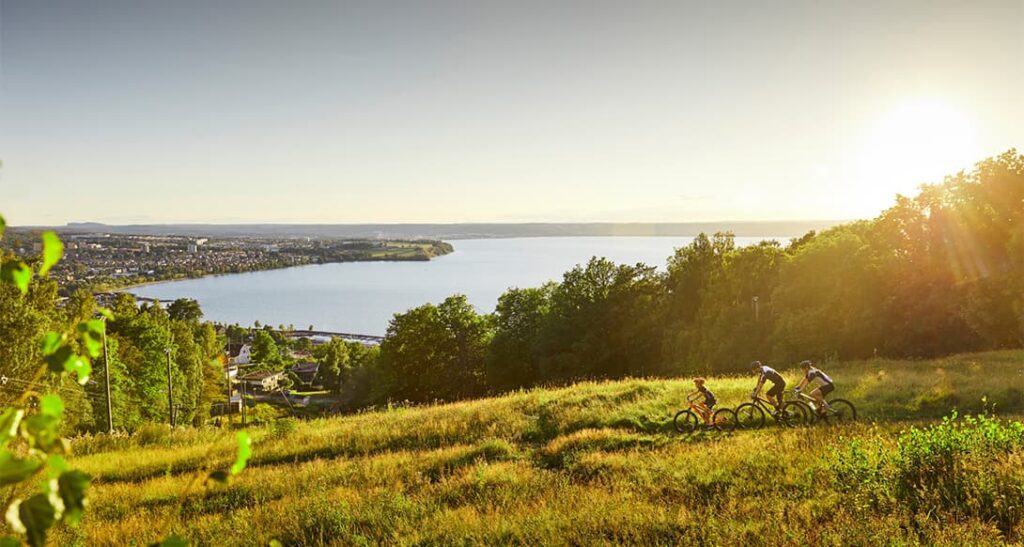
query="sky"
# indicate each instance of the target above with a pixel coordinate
(234, 111)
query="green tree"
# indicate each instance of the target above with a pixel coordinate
(436, 352)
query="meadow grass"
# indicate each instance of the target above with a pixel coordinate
(593, 463)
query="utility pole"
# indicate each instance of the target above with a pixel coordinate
(757, 309)
(170, 388)
(243, 403)
(106, 374)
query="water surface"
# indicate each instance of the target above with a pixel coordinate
(361, 297)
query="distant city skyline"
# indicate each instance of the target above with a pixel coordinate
(235, 111)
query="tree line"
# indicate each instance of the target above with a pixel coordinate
(939, 273)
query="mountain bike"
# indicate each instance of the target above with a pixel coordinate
(690, 420)
(839, 410)
(791, 414)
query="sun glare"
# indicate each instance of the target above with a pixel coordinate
(914, 143)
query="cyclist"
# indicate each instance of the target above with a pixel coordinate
(704, 401)
(766, 372)
(812, 373)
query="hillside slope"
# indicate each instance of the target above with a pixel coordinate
(590, 463)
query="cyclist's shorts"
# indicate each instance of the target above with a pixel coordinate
(777, 389)
(825, 389)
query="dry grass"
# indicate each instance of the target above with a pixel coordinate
(591, 463)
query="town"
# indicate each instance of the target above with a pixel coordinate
(104, 261)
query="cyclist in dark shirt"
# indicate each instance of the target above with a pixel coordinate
(811, 374)
(703, 399)
(766, 373)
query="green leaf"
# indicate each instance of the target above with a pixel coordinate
(72, 486)
(105, 312)
(41, 431)
(80, 365)
(8, 541)
(51, 405)
(220, 476)
(51, 342)
(275, 543)
(37, 516)
(53, 249)
(14, 469)
(3, 226)
(9, 420)
(244, 451)
(92, 336)
(56, 360)
(56, 465)
(17, 273)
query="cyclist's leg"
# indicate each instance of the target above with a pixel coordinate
(775, 394)
(821, 393)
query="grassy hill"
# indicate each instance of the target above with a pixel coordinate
(593, 463)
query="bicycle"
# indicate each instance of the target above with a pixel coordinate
(689, 420)
(838, 411)
(752, 415)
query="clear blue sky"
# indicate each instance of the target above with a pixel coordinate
(251, 111)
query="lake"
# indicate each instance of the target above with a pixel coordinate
(361, 297)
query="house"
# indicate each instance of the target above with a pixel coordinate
(307, 373)
(262, 380)
(239, 354)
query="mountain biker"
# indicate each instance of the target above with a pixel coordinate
(765, 372)
(812, 373)
(702, 398)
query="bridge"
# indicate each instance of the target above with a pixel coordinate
(352, 337)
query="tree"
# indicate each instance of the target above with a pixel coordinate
(436, 352)
(513, 355)
(185, 309)
(265, 352)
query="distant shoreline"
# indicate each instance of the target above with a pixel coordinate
(457, 231)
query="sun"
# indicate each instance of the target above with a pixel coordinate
(914, 142)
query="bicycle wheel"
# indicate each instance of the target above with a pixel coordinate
(686, 422)
(793, 414)
(840, 411)
(724, 419)
(749, 416)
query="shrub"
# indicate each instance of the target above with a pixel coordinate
(283, 427)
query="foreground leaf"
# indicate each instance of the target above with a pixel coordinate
(37, 516)
(72, 486)
(41, 431)
(92, 336)
(244, 451)
(17, 273)
(3, 226)
(14, 469)
(51, 405)
(53, 250)
(9, 421)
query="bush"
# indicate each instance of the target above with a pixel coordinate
(283, 427)
(962, 467)
(150, 434)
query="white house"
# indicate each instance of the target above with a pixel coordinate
(262, 380)
(239, 354)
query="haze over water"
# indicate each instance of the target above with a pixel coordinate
(361, 297)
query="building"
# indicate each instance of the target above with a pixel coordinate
(239, 354)
(262, 380)
(307, 373)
